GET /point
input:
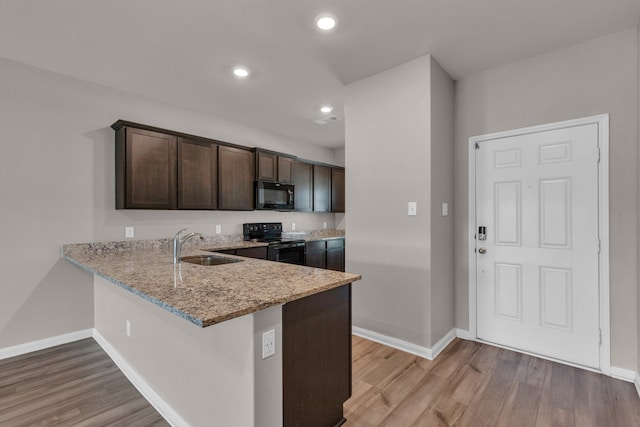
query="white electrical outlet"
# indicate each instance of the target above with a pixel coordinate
(128, 232)
(324, 225)
(293, 226)
(412, 208)
(268, 343)
(218, 229)
(128, 328)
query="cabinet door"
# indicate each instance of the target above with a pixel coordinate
(267, 166)
(303, 182)
(285, 169)
(259, 253)
(316, 358)
(335, 254)
(337, 190)
(321, 188)
(197, 175)
(235, 179)
(150, 170)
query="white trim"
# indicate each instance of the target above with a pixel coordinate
(624, 374)
(168, 413)
(636, 381)
(18, 350)
(464, 335)
(602, 121)
(427, 353)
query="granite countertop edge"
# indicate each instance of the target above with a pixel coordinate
(283, 282)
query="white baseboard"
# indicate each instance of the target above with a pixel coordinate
(624, 374)
(171, 416)
(427, 353)
(18, 350)
(465, 335)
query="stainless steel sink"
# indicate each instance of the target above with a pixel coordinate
(209, 260)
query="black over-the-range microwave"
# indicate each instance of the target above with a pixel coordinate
(274, 196)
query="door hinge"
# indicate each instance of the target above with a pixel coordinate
(477, 146)
(599, 336)
(598, 155)
(598, 244)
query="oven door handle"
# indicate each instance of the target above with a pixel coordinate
(286, 245)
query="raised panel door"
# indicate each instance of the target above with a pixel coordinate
(197, 175)
(150, 164)
(321, 188)
(337, 190)
(267, 166)
(235, 179)
(303, 182)
(285, 169)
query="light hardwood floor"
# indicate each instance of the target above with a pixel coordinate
(472, 384)
(469, 384)
(74, 384)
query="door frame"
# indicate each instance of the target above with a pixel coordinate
(602, 121)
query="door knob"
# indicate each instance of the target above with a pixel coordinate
(482, 250)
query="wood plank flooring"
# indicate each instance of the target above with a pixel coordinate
(74, 384)
(469, 384)
(472, 384)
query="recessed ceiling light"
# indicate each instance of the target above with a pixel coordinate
(326, 21)
(241, 72)
(326, 108)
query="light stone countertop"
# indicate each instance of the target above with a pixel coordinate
(207, 294)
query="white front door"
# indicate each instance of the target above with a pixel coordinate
(537, 271)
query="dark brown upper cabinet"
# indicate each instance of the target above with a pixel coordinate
(337, 190)
(197, 174)
(274, 167)
(146, 169)
(303, 182)
(236, 168)
(321, 188)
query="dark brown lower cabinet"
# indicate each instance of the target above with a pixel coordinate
(316, 352)
(327, 254)
(259, 252)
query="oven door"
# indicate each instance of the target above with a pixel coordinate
(289, 252)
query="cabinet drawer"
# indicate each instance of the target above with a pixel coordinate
(316, 245)
(335, 243)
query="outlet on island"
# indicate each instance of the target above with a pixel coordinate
(268, 343)
(293, 226)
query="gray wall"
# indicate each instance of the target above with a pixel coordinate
(638, 196)
(206, 375)
(57, 186)
(442, 289)
(595, 77)
(388, 154)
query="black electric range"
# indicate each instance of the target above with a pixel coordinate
(280, 249)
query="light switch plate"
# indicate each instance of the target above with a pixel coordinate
(128, 232)
(412, 208)
(445, 209)
(218, 229)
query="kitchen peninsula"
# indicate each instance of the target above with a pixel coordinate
(192, 335)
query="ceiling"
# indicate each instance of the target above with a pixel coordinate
(181, 52)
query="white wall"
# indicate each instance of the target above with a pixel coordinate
(595, 77)
(388, 155)
(57, 185)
